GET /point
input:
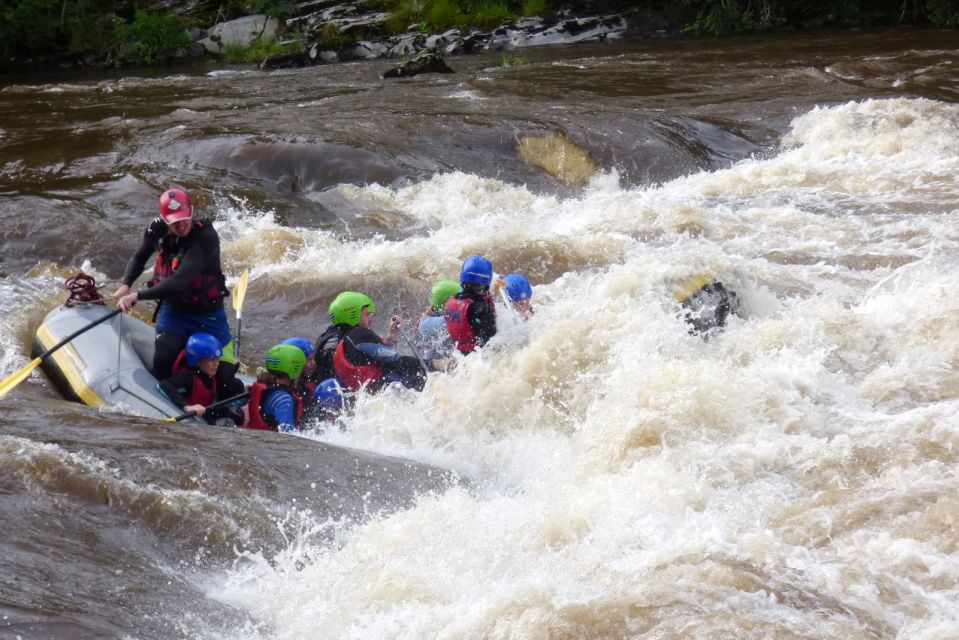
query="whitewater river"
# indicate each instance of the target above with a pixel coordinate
(597, 473)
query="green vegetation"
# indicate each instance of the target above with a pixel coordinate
(257, 50)
(534, 7)
(440, 15)
(151, 37)
(725, 17)
(277, 8)
(513, 60)
(38, 32)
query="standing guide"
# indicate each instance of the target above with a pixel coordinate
(188, 283)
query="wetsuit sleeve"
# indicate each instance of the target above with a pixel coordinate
(281, 406)
(379, 352)
(138, 261)
(177, 387)
(190, 267)
(482, 318)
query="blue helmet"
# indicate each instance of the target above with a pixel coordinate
(305, 345)
(517, 287)
(477, 269)
(328, 394)
(202, 345)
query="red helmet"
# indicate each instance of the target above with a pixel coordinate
(175, 205)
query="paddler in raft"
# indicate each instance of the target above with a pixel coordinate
(195, 386)
(188, 283)
(364, 360)
(471, 314)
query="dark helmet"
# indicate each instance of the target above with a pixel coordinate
(477, 269)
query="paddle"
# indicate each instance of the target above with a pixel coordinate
(215, 405)
(239, 293)
(9, 383)
(413, 349)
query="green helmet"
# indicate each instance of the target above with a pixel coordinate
(285, 358)
(346, 308)
(443, 291)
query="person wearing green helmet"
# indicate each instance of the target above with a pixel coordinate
(274, 406)
(431, 332)
(344, 314)
(364, 360)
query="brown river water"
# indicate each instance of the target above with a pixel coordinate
(594, 473)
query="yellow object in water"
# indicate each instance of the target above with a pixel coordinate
(690, 286)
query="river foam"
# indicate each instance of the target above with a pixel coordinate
(792, 477)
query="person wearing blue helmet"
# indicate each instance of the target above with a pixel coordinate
(328, 401)
(197, 386)
(518, 292)
(471, 314)
(306, 383)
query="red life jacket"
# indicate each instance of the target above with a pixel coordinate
(354, 376)
(206, 289)
(179, 365)
(455, 314)
(199, 394)
(258, 391)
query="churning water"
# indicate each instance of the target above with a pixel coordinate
(792, 477)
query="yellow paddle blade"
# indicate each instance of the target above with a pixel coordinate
(239, 291)
(8, 384)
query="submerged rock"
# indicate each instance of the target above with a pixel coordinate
(287, 61)
(428, 62)
(558, 156)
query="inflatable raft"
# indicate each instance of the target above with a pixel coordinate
(107, 366)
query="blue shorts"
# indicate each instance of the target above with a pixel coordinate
(170, 320)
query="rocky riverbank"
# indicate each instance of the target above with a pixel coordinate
(328, 31)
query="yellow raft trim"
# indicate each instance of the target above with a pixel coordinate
(66, 358)
(689, 287)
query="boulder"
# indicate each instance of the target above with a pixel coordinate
(242, 31)
(428, 62)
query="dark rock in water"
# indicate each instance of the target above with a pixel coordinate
(287, 61)
(424, 63)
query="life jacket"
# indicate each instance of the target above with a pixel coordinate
(354, 376)
(180, 365)
(259, 391)
(207, 289)
(455, 314)
(325, 350)
(199, 394)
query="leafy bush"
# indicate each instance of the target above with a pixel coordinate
(492, 14)
(439, 15)
(943, 13)
(256, 51)
(151, 37)
(444, 14)
(534, 7)
(277, 8)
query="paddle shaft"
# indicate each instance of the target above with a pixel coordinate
(413, 349)
(73, 335)
(215, 405)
